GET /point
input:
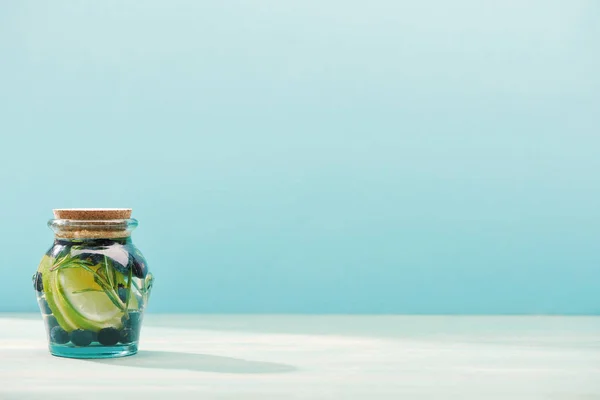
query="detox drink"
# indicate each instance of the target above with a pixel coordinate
(92, 292)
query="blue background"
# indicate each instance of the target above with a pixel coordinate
(313, 156)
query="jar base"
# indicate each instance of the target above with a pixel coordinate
(99, 351)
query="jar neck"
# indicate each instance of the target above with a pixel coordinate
(78, 230)
(89, 242)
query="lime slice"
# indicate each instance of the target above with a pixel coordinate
(77, 301)
(85, 302)
(50, 293)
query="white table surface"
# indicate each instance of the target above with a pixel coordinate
(317, 357)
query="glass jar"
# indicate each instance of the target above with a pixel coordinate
(93, 284)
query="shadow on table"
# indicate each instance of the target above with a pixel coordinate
(196, 362)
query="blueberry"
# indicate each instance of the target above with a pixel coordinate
(108, 336)
(81, 338)
(51, 322)
(37, 282)
(122, 294)
(59, 335)
(133, 322)
(44, 307)
(128, 336)
(138, 265)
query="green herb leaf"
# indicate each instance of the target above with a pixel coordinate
(87, 290)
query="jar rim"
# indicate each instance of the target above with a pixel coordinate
(92, 229)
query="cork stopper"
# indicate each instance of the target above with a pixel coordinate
(82, 223)
(92, 214)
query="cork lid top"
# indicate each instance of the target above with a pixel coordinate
(92, 214)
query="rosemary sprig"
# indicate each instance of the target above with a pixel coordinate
(87, 290)
(62, 261)
(114, 277)
(128, 295)
(107, 284)
(107, 273)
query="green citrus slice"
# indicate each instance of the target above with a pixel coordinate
(78, 302)
(84, 301)
(50, 292)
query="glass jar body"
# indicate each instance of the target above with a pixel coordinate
(92, 293)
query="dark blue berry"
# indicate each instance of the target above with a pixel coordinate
(59, 335)
(44, 307)
(108, 336)
(81, 338)
(51, 322)
(128, 336)
(123, 294)
(133, 320)
(37, 282)
(138, 265)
